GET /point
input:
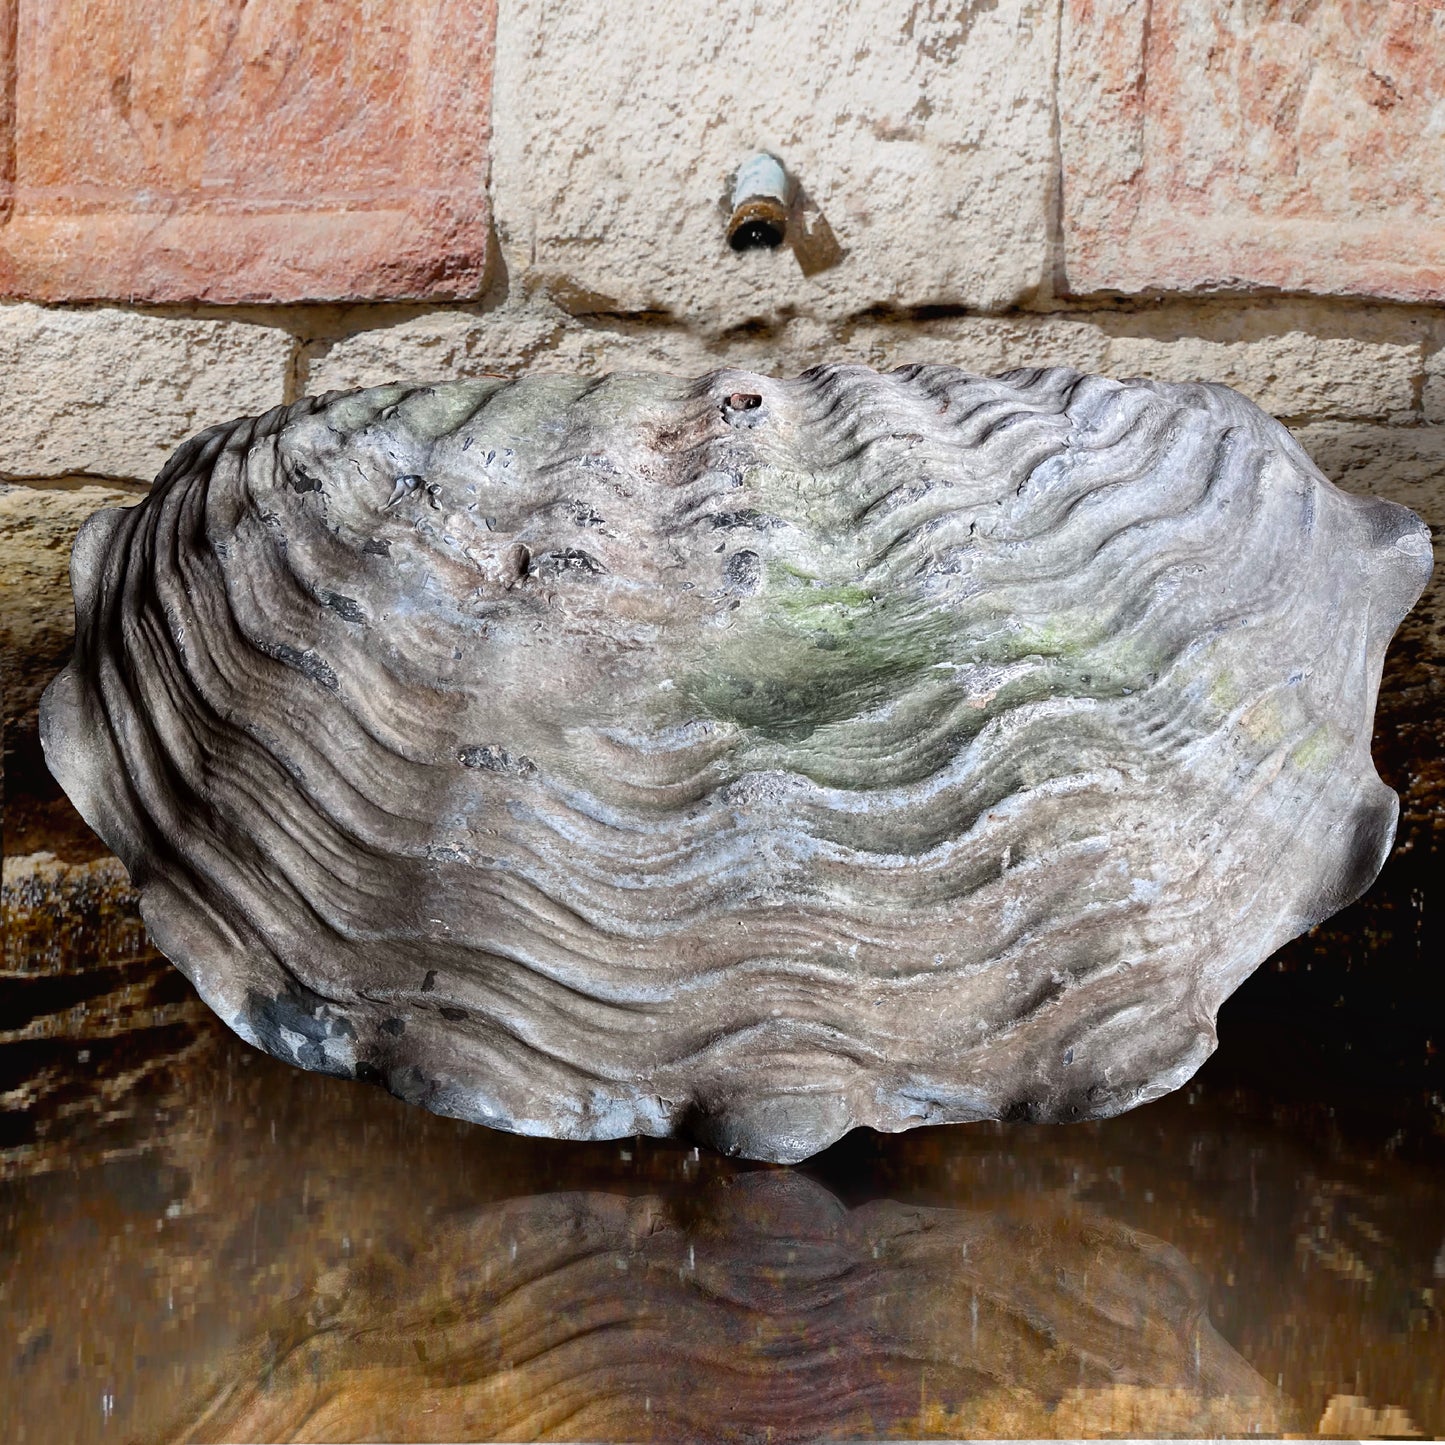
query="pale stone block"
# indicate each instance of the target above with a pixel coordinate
(511, 341)
(37, 618)
(1433, 393)
(110, 393)
(522, 339)
(1294, 360)
(1289, 358)
(921, 133)
(987, 345)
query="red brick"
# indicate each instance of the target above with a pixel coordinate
(1228, 145)
(219, 150)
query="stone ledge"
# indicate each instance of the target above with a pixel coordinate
(1297, 359)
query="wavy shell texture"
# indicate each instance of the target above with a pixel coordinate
(738, 757)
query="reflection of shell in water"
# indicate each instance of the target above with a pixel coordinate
(763, 1310)
(753, 757)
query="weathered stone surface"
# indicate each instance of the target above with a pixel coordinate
(1293, 359)
(529, 336)
(37, 616)
(534, 337)
(748, 758)
(920, 133)
(1222, 146)
(220, 150)
(111, 393)
(1296, 360)
(1433, 391)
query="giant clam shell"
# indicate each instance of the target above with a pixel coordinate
(734, 756)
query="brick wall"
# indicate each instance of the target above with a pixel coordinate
(209, 208)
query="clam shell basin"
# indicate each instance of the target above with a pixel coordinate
(736, 757)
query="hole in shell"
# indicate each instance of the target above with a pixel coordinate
(518, 564)
(744, 401)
